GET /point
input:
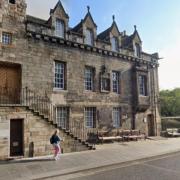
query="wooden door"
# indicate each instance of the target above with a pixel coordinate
(16, 137)
(10, 83)
(150, 121)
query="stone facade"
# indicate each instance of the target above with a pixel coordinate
(36, 47)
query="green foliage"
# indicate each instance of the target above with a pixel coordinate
(170, 102)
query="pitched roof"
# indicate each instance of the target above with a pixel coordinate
(59, 4)
(35, 20)
(79, 25)
(103, 35)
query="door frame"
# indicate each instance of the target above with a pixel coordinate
(22, 120)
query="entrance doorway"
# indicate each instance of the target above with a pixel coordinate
(150, 123)
(16, 137)
(10, 83)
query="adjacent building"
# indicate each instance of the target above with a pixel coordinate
(53, 75)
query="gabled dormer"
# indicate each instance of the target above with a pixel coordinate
(112, 35)
(133, 43)
(137, 43)
(88, 28)
(59, 19)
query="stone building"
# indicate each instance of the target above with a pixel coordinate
(52, 75)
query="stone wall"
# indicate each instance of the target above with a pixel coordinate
(36, 131)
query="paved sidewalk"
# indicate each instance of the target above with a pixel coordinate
(106, 154)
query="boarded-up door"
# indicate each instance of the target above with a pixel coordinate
(16, 137)
(10, 83)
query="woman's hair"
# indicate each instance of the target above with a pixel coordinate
(56, 131)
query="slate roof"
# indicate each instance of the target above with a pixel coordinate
(35, 20)
(105, 34)
(61, 6)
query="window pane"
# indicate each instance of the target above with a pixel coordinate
(116, 117)
(6, 38)
(115, 80)
(59, 28)
(88, 79)
(142, 85)
(89, 115)
(59, 75)
(114, 43)
(89, 37)
(62, 116)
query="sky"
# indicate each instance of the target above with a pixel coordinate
(157, 21)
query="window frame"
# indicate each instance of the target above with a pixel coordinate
(63, 119)
(61, 76)
(137, 50)
(6, 41)
(89, 80)
(60, 28)
(90, 117)
(114, 44)
(116, 117)
(116, 83)
(91, 36)
(142, 85)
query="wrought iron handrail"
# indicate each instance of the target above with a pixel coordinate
(42, 105)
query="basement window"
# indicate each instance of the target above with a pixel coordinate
(12, 1)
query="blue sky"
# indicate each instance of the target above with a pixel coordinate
(158, 23)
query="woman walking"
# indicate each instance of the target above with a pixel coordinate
(55, 141)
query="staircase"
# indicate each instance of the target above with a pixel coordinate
(41, 107)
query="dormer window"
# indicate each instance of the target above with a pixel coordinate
(89, 37)
(12, 1)
(114, 43)
(137, 50)
(59, 29)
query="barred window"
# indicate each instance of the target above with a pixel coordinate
(59, 28)
(116, 116)
(60, 75)
(90, 117)
(115, 81)
(88, 78)
(6, 38)
(62, 116)
(89, 37)
(114, 44)
(142, 85)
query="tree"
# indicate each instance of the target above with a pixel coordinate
(170, 102)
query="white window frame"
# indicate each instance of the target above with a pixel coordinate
(90, 117)
(59, 75)
(62, 116)
(89, 79)
(60, 28)
(6, 38)
(115, 82)
(116, 117)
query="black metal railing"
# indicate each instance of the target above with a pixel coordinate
(42, 105)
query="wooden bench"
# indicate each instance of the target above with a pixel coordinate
(173, 132)
(132, 135)
(109, 136)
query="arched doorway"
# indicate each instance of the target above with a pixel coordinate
(150, 124)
